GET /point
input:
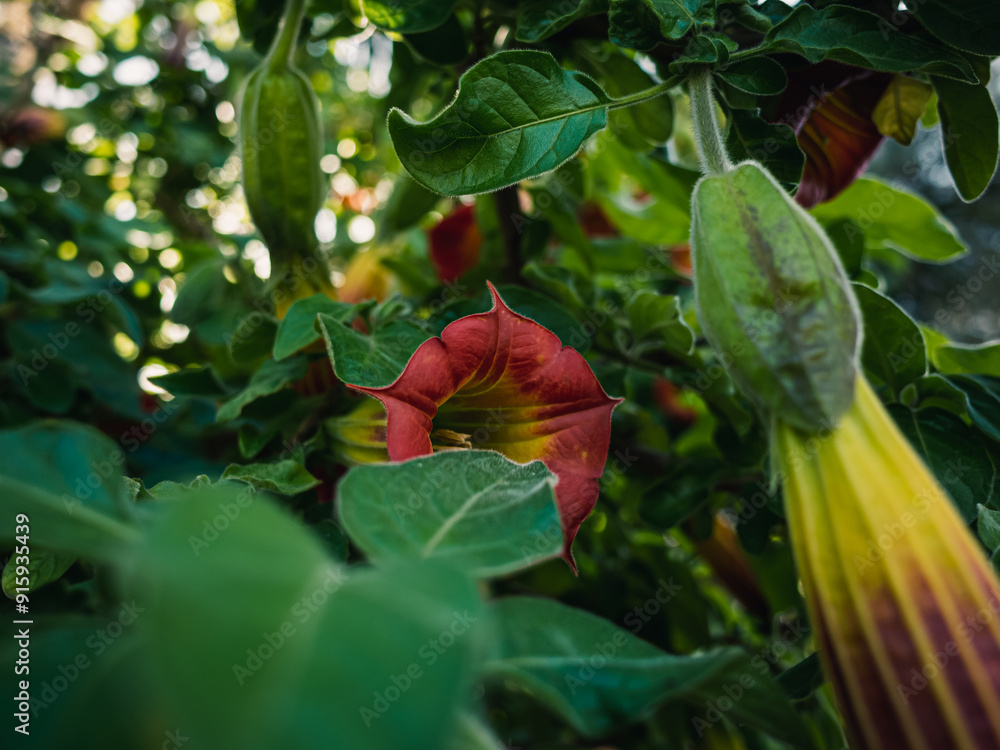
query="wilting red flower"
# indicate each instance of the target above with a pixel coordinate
(455, 242)
(499, 381)
(829, 106)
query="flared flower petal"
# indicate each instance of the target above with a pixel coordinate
(904, 604)
(499, 381)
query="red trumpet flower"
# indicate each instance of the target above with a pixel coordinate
(497, 380)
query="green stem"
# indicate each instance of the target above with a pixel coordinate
(281, 51)
(646, 94)
(746, 54)
(714, 159)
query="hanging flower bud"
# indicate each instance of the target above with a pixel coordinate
(281, 143)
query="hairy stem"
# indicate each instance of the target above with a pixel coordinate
(284, 41)
(646, 94)
(714, 159)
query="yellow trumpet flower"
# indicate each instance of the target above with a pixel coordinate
(905, 607)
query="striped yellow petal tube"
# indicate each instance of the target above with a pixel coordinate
(905, 607)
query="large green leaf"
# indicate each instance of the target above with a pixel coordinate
(893, 348)
(598, 676)
(893, 218)
(857, 37)
(408, 16)
(256, 639)
(375, 360)
(516, 115)
(953, 451)
(540, 19)
(969, 130)
(477, 510)
(972, 25)
(66, 478)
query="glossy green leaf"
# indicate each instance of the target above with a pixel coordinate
(271, 377)
(969, 130)
(890, 217)
(475, 510)
(287, 477)
(540, 19)
(599, 677)
(954, 452)
(408, 16)
(375, 360)
(516, 115)
(971, 25)
(259, 640)
(761, 76)
(298, 328)
(893, 349)
(857, 37)
(43, 567)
